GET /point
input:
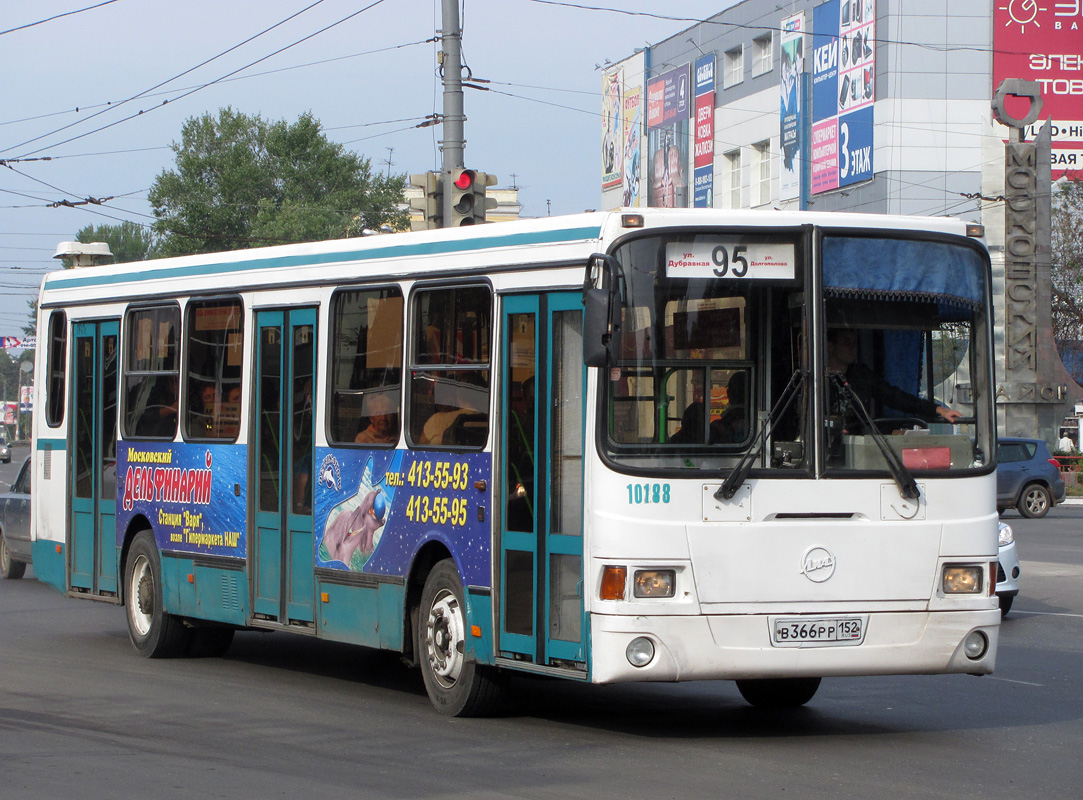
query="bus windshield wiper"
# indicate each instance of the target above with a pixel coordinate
(908, 487)
(737, 477)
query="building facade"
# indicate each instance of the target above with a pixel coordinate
(879, 106)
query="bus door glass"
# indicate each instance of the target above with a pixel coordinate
(92, 550)
(541, 558)
(283, 558)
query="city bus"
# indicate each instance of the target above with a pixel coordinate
(639, 445)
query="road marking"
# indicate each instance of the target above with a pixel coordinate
(1024, 683)
(1046, 614)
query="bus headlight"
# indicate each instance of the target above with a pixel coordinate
(960, 579)
(654, 583)
(640, 651)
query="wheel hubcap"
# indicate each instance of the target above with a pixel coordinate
(444, 639)
(141, 596)
(1036, 502)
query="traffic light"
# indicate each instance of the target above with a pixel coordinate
(462, 197)
(468, 200)
(482, 203)
(431, 202)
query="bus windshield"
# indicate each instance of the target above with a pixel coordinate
(715, 360)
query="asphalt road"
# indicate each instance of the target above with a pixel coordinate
(82, 715)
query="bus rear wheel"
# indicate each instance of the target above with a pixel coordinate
(154, 633)
(456, 684)
(778, 692)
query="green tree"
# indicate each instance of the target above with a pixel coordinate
(241, 181)
(128, 241)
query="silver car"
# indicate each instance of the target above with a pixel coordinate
(1007, 569)
(15, 526)
(5, 450)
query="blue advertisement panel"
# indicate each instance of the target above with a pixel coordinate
(790, 111)
(843, 93)
(855, 146)
(825, 61)
(669, 107)
(375, 509)
(704, 187)
(193, 494)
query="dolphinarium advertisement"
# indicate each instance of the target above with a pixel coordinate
(193, 494)
(374, 509)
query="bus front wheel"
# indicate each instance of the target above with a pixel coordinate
(154, 633)
(456, 684)
(778, 692)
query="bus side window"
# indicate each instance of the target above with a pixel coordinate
(214, 348)
(151, 373)
(56, 369)
(366, 366)
(449, 368)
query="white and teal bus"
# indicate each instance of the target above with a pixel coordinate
(645, 445)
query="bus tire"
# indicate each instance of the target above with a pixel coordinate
(778, 692)
(210, 641)
(154, 633)
(456, 685)
(10, 568)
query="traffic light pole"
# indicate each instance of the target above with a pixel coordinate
(453, 142)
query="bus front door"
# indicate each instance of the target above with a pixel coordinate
(283, 558)
(541, 551)
(92, 549)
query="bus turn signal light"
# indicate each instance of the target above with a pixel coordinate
(613, 580)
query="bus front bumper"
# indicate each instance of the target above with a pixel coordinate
(731, 647)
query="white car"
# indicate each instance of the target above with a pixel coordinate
(1007, 569)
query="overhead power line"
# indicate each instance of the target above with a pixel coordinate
(160, 85)
(56, 16)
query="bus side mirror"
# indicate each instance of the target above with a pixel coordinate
(601, 311)
(598, 338)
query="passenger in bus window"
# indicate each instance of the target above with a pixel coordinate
(383, 424)
(692, 429)
(204, 416)
(868, 385)
(230, 413)
(732, 426)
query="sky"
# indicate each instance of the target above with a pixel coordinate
(103, 93)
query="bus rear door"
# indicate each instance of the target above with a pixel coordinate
(92, 551)
(283, 558)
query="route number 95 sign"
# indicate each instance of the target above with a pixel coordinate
(732, 258)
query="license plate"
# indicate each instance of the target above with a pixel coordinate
(817, 631)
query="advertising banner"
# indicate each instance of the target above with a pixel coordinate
(195, 494)
(1041, 42)
(633, 127)
(373, 513)
(18, 343)
(703, 151)
(790, 112)
(843, 92)
(669, 107)
(612, 128)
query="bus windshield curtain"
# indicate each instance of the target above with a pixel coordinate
(904, 269)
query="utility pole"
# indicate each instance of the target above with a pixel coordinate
(453, 142)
